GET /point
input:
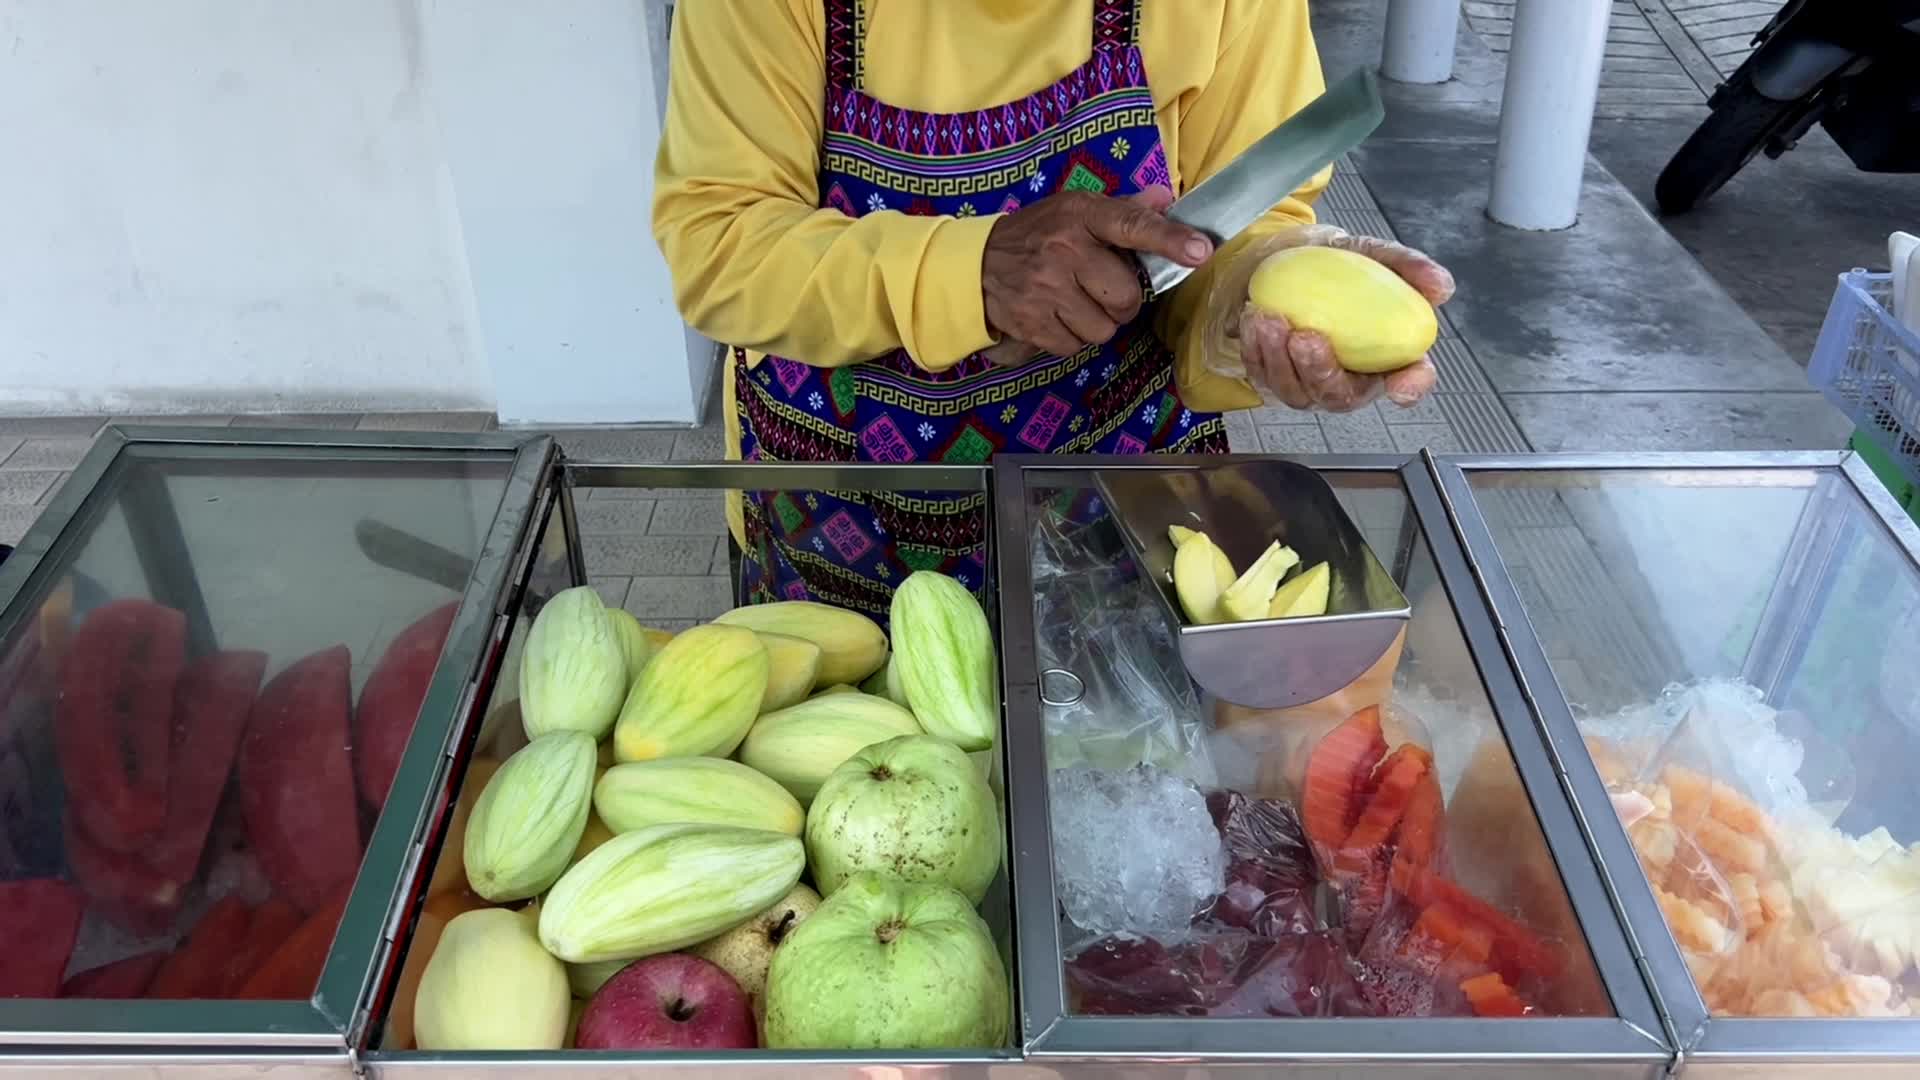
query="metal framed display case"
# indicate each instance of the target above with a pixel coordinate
(1723, 649)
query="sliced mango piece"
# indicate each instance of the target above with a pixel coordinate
(1198, 580)
(1304, 596)
(1247, 598)
(1222, 566)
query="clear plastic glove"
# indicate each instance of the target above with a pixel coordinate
(1298, 368)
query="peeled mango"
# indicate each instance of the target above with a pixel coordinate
(801, 746)
(573, 675)
(451, 871)
(1248, 597)
(944, 650)
(1305, 596)
(1372, 318)
(663, 887)
(634, 643)
(712, 791)
(698, 695)
(914, 808)
(528, 821)
(888, 964)
(852, 646)
(1201, 573)
(490, 986)
(792, 666)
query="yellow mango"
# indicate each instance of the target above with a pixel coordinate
(1305, 596)
(1374, 320)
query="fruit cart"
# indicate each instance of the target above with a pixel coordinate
(343, 617)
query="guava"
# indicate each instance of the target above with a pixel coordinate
(913, 807)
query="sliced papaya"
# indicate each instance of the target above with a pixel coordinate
(1490, 996)
(118, 981)
(391, 700)
(1337, 775)
(292, 970)
(1517, 952)
(39, 922)
(296, 781)
(1448, 942)
(112, 723)
(1395, 782)
(198, 968)
(1423, 825)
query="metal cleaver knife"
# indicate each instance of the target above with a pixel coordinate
(1265, 173)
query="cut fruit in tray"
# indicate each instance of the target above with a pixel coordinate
(1198, 580)
(1248, 598)
(1338, 772)
(1305, 596)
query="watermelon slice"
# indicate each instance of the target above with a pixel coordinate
(1396, 781)
(37, 932)
(296, 781)
(292, 970)
(122, 887)
(390, 702)
(271, 925)
(118, 981)
(1445, 942)
(198, 968)
(210, 715)
(113, 717)
(1490, 996)
(1423, 825)
(1338, 772)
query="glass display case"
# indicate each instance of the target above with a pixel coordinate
(1722, 650)
(253, 685)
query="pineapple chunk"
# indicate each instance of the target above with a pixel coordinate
(1247, 599)
(1304, 596)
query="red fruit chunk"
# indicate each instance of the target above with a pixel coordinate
(292, 970)
(211, 707)
(390, 702)
(1517, 952)
(1338, 772)
(1441, 942)
(123, 887)
(1395, 783)
(1127, 976)
(1490, 995)
(296, 781)
(1422, 826)
(271, 925)
(198, 968)
(113, 718)
(118, 981)
(39, 921)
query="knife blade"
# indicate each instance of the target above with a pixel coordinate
(1255, 181)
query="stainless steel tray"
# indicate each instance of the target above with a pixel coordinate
(1243, 507)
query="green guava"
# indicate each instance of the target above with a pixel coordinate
(914, 808)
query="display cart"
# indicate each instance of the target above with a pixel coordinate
(288, 543)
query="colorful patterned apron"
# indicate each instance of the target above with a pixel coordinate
(1092, 131)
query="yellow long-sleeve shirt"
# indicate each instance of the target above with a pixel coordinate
(757, 264)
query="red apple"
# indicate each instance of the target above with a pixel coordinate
(668, 1002)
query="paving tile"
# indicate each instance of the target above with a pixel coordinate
(619, 446)
(1482, 423)
(1243, 436)
(704, 516)
(426, 421)
(8, 444)
(1293, 439)
(701, 598)
(1703, 421)
(1361, 432)
(700, 444)
(723, 557)
(300, 421)
(172, 421)
(53, 491)
(26, 487)
(49, 453)
(646, 555)
(619, 516)
(42, 426)
(1412, 438)
(612, 590)
(14, 522)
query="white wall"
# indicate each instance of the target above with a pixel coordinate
(238, 205)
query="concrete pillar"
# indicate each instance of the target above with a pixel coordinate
(1546, 114)
(1419, 41)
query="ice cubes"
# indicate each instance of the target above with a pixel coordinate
(1134, 851)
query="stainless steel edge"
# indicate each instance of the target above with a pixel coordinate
(364, 938)
(570, 528)
(1041, 990)
(304, 438)
(729, 1065)
(63, 1026)
(167, 1065)
(1679, 1012)
(1906, 532)
(1585, 1047)
(800, 476)
(1693, 459)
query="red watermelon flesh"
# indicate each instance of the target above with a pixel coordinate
(292, 969)
(296, 781)
(391, 699)
(210, 715)
(39, 922)
(272, 924)
(112, 723)
(198, 968)
(123, 887)
(119, 981)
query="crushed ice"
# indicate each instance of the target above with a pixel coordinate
(1134, 850)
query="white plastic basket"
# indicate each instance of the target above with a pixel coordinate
(1868, 365)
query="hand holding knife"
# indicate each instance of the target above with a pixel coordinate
(1219, 208)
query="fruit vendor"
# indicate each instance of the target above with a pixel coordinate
(863, 198)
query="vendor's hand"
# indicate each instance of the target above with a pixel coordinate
(1056, 275)
(1299, 368)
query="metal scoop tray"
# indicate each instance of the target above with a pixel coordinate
(1244, 507)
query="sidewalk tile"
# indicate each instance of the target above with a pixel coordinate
(49, 453)
(701, 598)
(627, 517)
(26, 487)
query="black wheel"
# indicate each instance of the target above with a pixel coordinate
(1739, 127)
